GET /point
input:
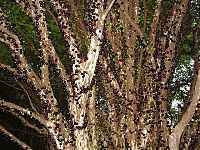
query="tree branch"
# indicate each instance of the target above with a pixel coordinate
(168, 43)
(106, 11)
(10, 85)
(109, 75)
(27, 123)
(135, 26)
(62, 21)
(30, 101)
(11, 106)
(38, 17)
(15, 139)
(48, 53)
(94, 49)
(14, 43)
(174, 138)
(154, 26)
(8, 69)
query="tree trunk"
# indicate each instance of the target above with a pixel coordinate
(118, 96)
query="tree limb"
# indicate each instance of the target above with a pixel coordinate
(175, 136)
(27, 123)
(30, 101)
(135, 26)
(11, 106)
(94, 49)
(15, 139)
(8, 69)
(106, 11)
(14, 43)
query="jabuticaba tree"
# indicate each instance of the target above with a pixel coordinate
(96, 74)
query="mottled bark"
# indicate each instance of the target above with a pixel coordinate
(128, 65)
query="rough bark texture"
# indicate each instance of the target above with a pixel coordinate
(128, 67)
